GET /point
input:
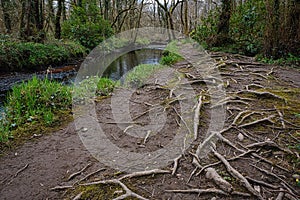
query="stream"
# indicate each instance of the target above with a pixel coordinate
(115, 71)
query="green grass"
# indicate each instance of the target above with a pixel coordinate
(36, 102)
(139, 74)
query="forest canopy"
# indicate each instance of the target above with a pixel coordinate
(268, 28)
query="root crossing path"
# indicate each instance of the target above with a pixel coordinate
(254, 156)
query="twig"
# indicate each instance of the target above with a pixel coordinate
(62, 187)
(281, 118)
(230, 159)
(89, 175)
(280, 195)
(176, 160)
(237, 175)
(78, 196)
(79, 172)
(189, 130)
(20, 170)
(146, 137)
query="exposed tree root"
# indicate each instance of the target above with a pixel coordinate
(79, 172)
(266, 94)
(200, 191)
(128, 192)
(212, 174)
(197, 117)
(268, 119)
(237, 175)
(275, 176)
(209, 191)
(176, 160)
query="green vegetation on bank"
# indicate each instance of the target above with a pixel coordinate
(18, 55)
(34, 105)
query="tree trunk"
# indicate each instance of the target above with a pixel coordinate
(222, 38)
(7, 21)
(57, 20)
(186, 18)
(271, 40)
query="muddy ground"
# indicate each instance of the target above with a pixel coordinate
(255, 155)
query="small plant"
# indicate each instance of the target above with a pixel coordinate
(91, 87)
(171, 54)
(105, 86)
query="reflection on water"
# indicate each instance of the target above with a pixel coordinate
(127, 62)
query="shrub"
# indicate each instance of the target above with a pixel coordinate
(86, 26)
(16, 55)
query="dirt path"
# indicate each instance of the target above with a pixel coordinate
(258, 142)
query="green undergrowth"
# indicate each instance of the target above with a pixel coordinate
(290, 60)
(34, 105)
(171, 54)
(24, 56)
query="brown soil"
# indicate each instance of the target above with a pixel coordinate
(31, 170)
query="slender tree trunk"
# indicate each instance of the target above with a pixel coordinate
(271, 40)
(7, 21)
(22, 20)
(186, 17)
(57, 20)
(222, 38)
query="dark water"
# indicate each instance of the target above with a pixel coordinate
(115, 71)
(127, 62)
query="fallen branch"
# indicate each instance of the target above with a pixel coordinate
(237, 175)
